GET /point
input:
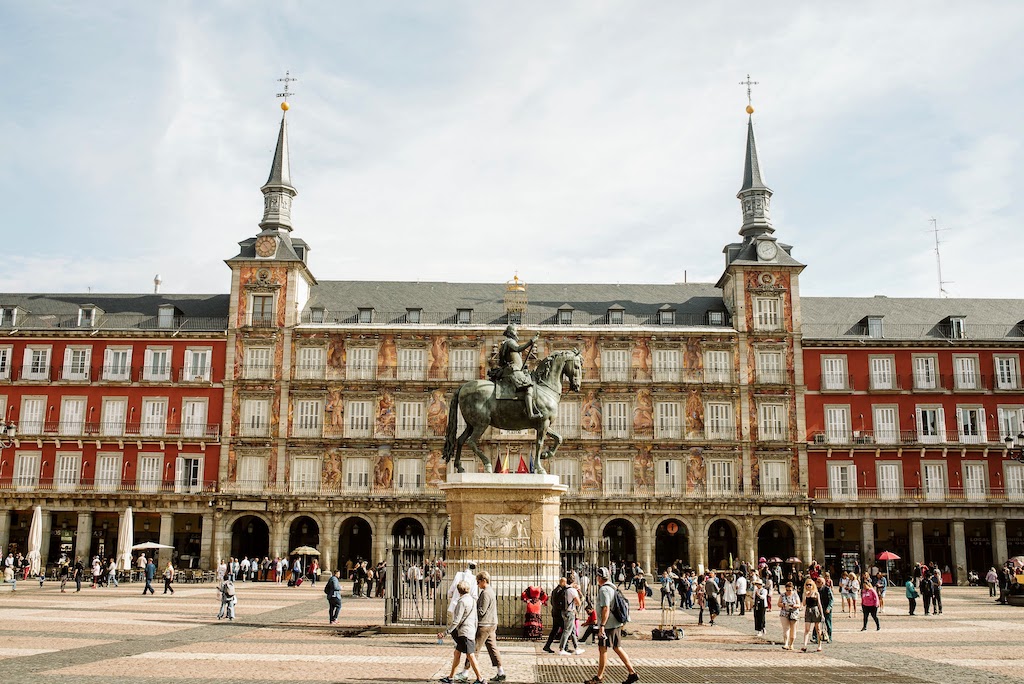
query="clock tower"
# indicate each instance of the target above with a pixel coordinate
(761, 289)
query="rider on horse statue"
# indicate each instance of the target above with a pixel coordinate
(512, 367)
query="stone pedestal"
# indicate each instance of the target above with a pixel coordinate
(508, 525)
(499, 509)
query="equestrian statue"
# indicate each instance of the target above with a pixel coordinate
(512, 399)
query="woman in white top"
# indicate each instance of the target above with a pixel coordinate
(729, 595)
(853, 588)
(844, 588)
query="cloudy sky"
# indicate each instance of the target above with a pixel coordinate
(571, 141)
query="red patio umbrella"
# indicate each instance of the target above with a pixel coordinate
(774, 559)
(888, 556)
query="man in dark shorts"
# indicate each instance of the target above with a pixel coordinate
(609, 633)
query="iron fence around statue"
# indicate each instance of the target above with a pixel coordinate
(420, 572)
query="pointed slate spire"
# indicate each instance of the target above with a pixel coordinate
(754, 196)
(278, 191)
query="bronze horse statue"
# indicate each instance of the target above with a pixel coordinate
(481, 409)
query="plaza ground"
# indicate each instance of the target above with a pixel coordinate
(281, 635)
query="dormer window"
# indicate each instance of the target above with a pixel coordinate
(86, 317)
(463, 316)
(615, 314)
(716, 318)
(316, 314)
(366, 315)
(875, 326)
(165, 316)
(8, 315)
(667, 315)
(300, 251)
(957, 328)
(565, 315)
(413, 315)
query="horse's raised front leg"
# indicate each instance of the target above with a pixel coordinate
(542, 433)
(558, 442)
(477, 432)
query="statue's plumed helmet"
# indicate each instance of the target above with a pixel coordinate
(511, 331)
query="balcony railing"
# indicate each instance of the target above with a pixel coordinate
(256, 371)
(916, 494)
(263, 488)
(87, 485)
(710, 376)
(70, 321)
(726, 434)
(500, 318)
(68, 429)
(835, 382)
(873, 437)
(699, 493)
(115, 373)
(773, 377)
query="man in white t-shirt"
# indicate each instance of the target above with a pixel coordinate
(741, 592)
(469, 577)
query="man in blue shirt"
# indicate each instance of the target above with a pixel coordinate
(609, 631)
(150, 574)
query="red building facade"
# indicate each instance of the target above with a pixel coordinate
(117, 402)
(908, 406)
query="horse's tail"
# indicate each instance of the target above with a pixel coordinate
(451, 433)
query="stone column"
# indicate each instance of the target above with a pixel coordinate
(380, 537)
(328, 542)
(645, 550)
(167, 538)
(807, 532)
(208, 553)
(960, 553)
(278, 538)
(83, 537)
(44, 551)
(819, 540)
(5, 531)
(867, 541)
(748, 551)
(917, 541)
(700, 544)
(1000, 551)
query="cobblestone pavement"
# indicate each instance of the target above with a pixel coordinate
(281, 634)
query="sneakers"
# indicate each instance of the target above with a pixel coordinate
(498, 678)
(564, 653)
(462, 676)
(446, 680)
(631, 679)
(579, 651)
(547, 649)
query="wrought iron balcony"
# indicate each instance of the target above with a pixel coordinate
(898, 437)
(528, 319)
(107, 486)
(155, 430)
(70, 322)
(916, 494)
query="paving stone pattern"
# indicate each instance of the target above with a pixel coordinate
(280, 634)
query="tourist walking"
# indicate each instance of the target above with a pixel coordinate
(712, 595)
(333, 591)
(169, 577)
(827, 604)
(936, 592)
(869, 604)
(557, 613)
(729, 594)
(78, 574)
(789, 613)
(640, 582)
(150, 575)
(741, 592)
(853, 591)
(992, 578)
(668, 588)
(227, 598)
(701, 597)
(609, 632)
(112, 573)
(812, 614)
(486, 627)
(463, 630)
(760, 606)
(573, 599)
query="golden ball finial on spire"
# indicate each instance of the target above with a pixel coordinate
(750, 110)
(284, 106)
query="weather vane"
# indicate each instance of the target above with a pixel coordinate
(287, 80)
(750, 103)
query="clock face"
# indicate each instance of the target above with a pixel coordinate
(266, 246)
(767, 250)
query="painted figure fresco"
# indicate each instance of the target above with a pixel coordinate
(336, 409)
(591, 358)
(590, 415)
(642, 358)
(591, 469)
(387, 356)
(694, 415)
(643, 413)
(693, 358)
(437, 412)
(435, 471)
(335, 355)
(438, 357)
(643, 467)
(696, 474)
(383, 471)
(331, 477)
(384, 423)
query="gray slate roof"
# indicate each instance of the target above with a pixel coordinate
(199, 305)
(587, 300)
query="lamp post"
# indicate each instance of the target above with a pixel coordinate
(1015, 447)
(7, 434)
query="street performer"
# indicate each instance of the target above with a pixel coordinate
(510, 361)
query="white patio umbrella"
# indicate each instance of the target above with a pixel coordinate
(150, 545)
(35, 540)
(125, 539)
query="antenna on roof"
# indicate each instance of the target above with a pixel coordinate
(156, 284)
(938, 257)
